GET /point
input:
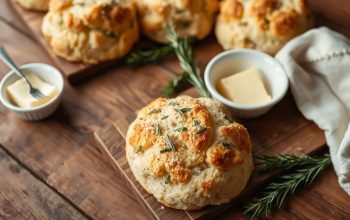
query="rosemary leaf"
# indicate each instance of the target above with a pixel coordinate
(142, 57)
(182, 111)
(301, 173)
(180, 129)
(167, 179)
(139, 149)
(200, 130)
(177, 85)
(164, 117)
(226, 144)
(158, 131)
(152, 111)
(173, 103)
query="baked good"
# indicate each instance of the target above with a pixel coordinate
(264, 25)
(39, 5)
(187, 153)
(193, 18)
(91, 30)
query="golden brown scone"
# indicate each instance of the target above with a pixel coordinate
(91, 31)
(193, 18)
(264, 25)
(38, 5)
(187, 153)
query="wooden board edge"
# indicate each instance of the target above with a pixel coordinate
(128, 182)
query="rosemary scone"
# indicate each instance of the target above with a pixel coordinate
(193, 18)
(38, 5)
(91, 31)
(187, 152)
(264, 25)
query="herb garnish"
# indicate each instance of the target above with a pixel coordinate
(178, 84)
(141, 57)
(182, 111)
(243, 23)
(226, 144)
(197, 124)
(171, 146)
(200, 128)
(158, 131)
(138, 149)
(173, 103)
(111, 34)
(301, 171)
(167, 179)
(186, 56)
(152, 111)
(182, 128)
(228, 119)
(164, 117)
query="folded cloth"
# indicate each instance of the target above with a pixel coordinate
(318, 67)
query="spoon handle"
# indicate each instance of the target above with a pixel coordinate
(8, 61)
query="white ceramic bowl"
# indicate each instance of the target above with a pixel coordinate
(49, 74)
(236, 60)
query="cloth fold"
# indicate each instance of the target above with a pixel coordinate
(318, 67)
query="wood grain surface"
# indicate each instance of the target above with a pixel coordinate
(60, 153)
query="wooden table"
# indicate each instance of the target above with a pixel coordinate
(53, 170)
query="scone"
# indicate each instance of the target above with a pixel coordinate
(187, 152)
(193, 18)
(264, 25)
(91, 31)
(39, 5)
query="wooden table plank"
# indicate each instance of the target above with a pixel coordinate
(22, 196)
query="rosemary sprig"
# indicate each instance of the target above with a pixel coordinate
(177, 85)
(286, 161)
(141, 57)
(302, 172)
(184, 53)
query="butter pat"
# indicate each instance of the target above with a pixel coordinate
(245, 87)
(20, 96)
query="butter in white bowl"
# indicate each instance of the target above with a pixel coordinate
(14, 92)
(245, 87)
(253, 87)
(20, 96)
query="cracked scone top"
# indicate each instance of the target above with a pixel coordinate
(91, 31)
(264, 25)
(187, 153)
(193, 18)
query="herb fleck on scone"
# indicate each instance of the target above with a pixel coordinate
(187, 153)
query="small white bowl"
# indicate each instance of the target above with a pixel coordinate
(46, 72)
(236, 60)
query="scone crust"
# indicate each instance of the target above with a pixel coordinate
(187, 152)
(264, 25)
(91, 31)
(38, 5)
(192, 18)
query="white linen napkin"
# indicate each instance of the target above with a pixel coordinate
(318, 67)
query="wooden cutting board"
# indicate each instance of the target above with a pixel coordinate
(74, 71)
(282, 130)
